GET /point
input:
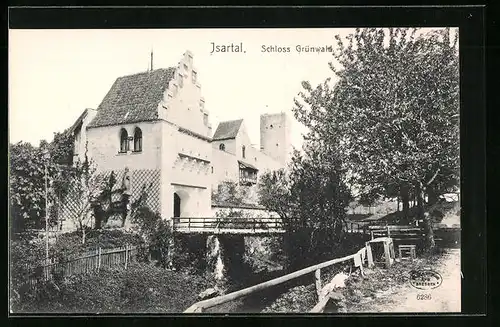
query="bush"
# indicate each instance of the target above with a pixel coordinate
(24, 257)
(139, 289)
(69, 245)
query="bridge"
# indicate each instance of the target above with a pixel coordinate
(217, 225)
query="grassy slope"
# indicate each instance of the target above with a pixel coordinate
(140, 288)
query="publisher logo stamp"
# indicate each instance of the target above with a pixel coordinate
(425, 279)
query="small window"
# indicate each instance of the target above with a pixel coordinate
(277, 144)
(123, 140)
(137, 140)
(243, 152)
(205, 119)
(222, 147)
(194, 76)
(271, 126)
(185, 67)
(181, 81)
(212, 169)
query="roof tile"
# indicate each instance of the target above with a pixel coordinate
(227, 130)
(133, 98)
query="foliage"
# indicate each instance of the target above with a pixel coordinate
(190, 253)
(140, 288)
(69, 245)
(84, 192)
(27, 180)
(27, 190)
(311, 199)
(230, 193)
(23, 257)
(155, 231)
(392, 111)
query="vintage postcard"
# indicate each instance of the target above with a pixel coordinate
(311, 170)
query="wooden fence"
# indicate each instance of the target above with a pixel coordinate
(89, 263)
(358, 259)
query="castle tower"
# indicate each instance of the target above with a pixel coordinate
(275, 138)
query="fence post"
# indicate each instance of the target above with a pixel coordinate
(388, 231)
(96, 258)
(317, 278)
(126, 255)
(99, 259)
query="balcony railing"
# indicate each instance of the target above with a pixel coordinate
(248, 180)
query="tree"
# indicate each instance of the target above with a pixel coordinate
(84, 192)
(311, 199)
(27, 191)
(62, 148)
(392, 111)
(27, 180)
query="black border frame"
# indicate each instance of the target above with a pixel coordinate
(470, 20)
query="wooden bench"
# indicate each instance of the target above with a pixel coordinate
(409, 249)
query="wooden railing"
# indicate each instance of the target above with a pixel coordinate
(227, 225)
(356, 227)
(358, 261)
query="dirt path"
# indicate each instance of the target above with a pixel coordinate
(390, 291)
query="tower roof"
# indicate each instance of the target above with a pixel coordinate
(133, 98)
(227, 130)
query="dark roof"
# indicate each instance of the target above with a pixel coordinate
(227, 130)
(133, 98)
(247, 165)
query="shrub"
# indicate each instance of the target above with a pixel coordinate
(140, 288)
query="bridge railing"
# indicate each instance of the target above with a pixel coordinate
(193, 224)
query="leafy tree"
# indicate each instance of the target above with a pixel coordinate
(392, 111)
(230, 193)
(27, 180)
(27, 190)
(62, 148)
(311, 198)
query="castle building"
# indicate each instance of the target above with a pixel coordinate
(155, 124)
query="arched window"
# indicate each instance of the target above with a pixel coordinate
(123, 140)
(137, 140)
(222, 147)
(243, 151)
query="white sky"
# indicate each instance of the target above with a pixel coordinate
(55, 74)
